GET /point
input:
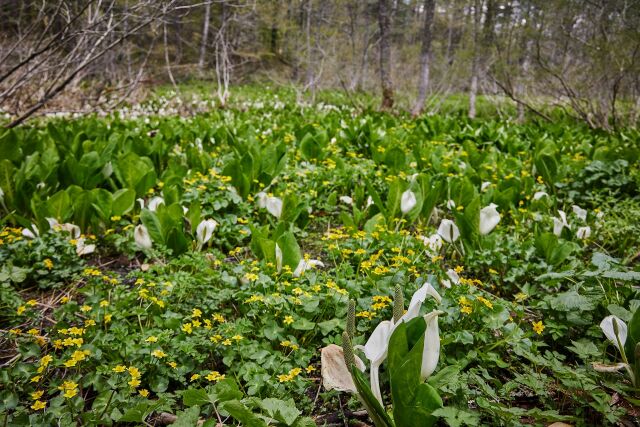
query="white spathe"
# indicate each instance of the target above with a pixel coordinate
(205, 230)
(407, 201)
(142, 237)
(539, 195)
(82, 249)
(583, 232)
(451, 204)
(580, 213)
(433, 243)
(274, 206)
(305, 265)
(607, 327)
(31, 233)
(346, 199)
(560, 223)
(431, 349)
(262, 197)
(485, 185)
(489, 218)
(278, 258)
(453, 276)
(448, 230)
(155, 202)
(376, 350)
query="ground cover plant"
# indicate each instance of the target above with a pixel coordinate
(162, 269)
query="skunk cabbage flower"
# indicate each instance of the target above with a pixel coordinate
(274, 206)
(451, 204)
(346, 199)
(155, 202)
(580, 213)
(617, 334)
(407, 201)
(376, 350)
(417, 300)
(431, 349)
(560, 223)
(1, 194)
(539, 195)
(489, 218)
(205, 230)
(485, 185)
(453, 278)
(31, 234)
(278, 258)
(82, 249)
(142, 237)
(448, 230)
(377, 345)
(369, 201)
(433, 242)
(262, 197)
(583, 232)
(305, 265)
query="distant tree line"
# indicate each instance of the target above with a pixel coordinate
(582, 56)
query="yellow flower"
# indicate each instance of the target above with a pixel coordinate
(152, 338)
(64, 300)
(538, 327)
(107, 318)
(21, 309)
(310, 369)
(37, 394)
(46, 360)
(134, 372)
(70, 393)
(520, 296)
(32, 302)
(466, 309)
(35, 379)
(85, 308)
(104, 303)
(158, 353)
(174, 365)
(134, 382)
(196, 313)
(288, 320)
(187, 328)
(194, 377)
(119, 369)
(48, 263)
(38, 404)
(143, 392)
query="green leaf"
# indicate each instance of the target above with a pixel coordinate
(283, 411)
(194, 397)
(122, 201)
(376, 412)
(291, 254)
(633, 335)
(455, 417)
(151, 222)
(187, 418)
(226, 389)
(240, 412)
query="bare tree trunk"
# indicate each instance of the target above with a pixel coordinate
(473, 89)
(205, 35)
(309, 52)
(425, 56)
(384, 22)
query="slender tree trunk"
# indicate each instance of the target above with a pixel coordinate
(425, 56)
(309, 50)
(384, 22)
(205, 35)
(473, 89)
